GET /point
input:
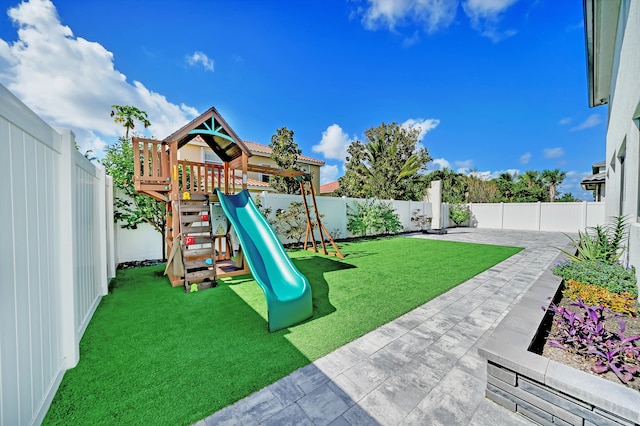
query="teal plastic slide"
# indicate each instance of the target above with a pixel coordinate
(287, 291)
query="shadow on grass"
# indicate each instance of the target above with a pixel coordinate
(314, 268)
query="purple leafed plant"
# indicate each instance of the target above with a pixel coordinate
(586, 334)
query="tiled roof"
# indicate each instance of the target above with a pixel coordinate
(264, 150)
(597, 178)
(328, 187)
(250, 182)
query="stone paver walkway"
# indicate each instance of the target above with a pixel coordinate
(420, 369)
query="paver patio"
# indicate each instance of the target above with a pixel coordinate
(421, 368)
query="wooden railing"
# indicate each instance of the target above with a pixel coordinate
(200, 178)
(151, 162)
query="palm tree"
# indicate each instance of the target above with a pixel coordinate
(553, 178)
(124, 114)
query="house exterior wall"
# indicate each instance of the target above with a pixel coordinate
(623, 134)
(193, 151)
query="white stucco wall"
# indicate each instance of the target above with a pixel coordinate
(623, 134)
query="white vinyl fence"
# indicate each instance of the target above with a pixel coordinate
(334, 210)
(143, 243)
(55, 260)
(559, 217)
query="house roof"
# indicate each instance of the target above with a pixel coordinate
(600, 27)
(596, 179)
(265, 151)
(215, 132)
(328, 187)
(253, 183)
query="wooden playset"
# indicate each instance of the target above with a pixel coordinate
(198, 236)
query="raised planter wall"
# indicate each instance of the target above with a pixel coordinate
(544, 390)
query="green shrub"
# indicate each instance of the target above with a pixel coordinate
(372, 217)
(602, 243)
(614, 278)
(459, 213)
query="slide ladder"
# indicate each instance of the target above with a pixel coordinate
(198, 251)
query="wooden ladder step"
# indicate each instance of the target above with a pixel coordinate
(197, 254)
(200, 275)
(193, 264)
(203, 239)
(190, 218)
(188, 229)
(196, 197)
(194, 208)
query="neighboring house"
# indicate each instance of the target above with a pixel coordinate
(612, 29)
(596, 182)
(198, 151)
(328, 188)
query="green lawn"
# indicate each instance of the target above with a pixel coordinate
(153, 354)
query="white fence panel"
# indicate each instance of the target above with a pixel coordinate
(141, 243)
(53, 262)
(558, 217)
(334, 210)
(561, 217)
(595, 215)
(487, 215)
(523, 216)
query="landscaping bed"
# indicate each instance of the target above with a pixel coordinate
(632, 328)
(549, 390)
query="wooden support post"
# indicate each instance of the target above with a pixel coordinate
(245, 163)
(226, 178)
(309, 225)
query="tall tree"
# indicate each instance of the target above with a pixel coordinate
(285, 153)
(131, 208)
(553, 178)
(125, 114)
(386, 166)
(481, 190)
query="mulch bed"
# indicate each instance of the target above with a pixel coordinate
(139, 263)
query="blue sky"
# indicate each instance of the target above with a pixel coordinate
(494, 85)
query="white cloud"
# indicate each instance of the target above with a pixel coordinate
(439, 164)
(592, 121)
(80, 83)
(334, 143)
(525, 158)
(200, 58)
(463, 166)
(485, 16)
(328, 173)
(488, 175)
(432, 15)
(565, 121)
(423, 126)
(553, 152)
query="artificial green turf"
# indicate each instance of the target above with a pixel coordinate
(153, 354)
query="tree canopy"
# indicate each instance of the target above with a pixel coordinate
(125, 114)
(285, 153)
(386, 166)
(529, 186)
